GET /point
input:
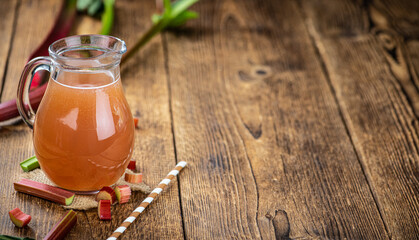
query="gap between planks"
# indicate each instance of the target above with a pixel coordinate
(311, 31)
(166, 68)
(9, 51)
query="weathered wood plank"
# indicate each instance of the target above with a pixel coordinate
(16, 141)
(7, 13)
(85, 24)
(218, 190)
(370, 77)
(30, 32)
(145, 83)
(400, 15)
(393, 24)
(255, 117)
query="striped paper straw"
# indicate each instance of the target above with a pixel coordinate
(153, 195)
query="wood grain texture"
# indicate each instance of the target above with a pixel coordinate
(299, 120)
(7, 12)
(254, 115)
(369, 73)
(85, 24)
(31, 29)
(218, 190)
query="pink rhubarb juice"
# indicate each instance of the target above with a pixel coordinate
(84, 131)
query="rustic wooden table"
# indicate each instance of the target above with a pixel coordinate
(299, 120)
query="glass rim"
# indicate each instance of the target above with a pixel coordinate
(85, 40)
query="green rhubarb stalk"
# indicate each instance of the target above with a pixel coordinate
(30, 164)
(103, 7)
(107, 17)
(174, 15)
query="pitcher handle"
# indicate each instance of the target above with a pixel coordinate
(23, 102)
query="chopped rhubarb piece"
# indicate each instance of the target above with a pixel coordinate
(106, 193)
(136, 122)
(45, 191)
(123, 193)
(29, 164)
(19, 218)
(104, 210)
(131, 165)
(134, 177)
(63, 226)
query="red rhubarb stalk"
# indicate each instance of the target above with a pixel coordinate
(134, 177)
(8, 109)
(104, 210)
(63, 226)
(44, 191)
(123, 193)
(131, 165)
(61, 28)
(106, 193)
(19, 218)
(136, 122)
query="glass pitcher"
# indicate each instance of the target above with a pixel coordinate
(83, 131)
